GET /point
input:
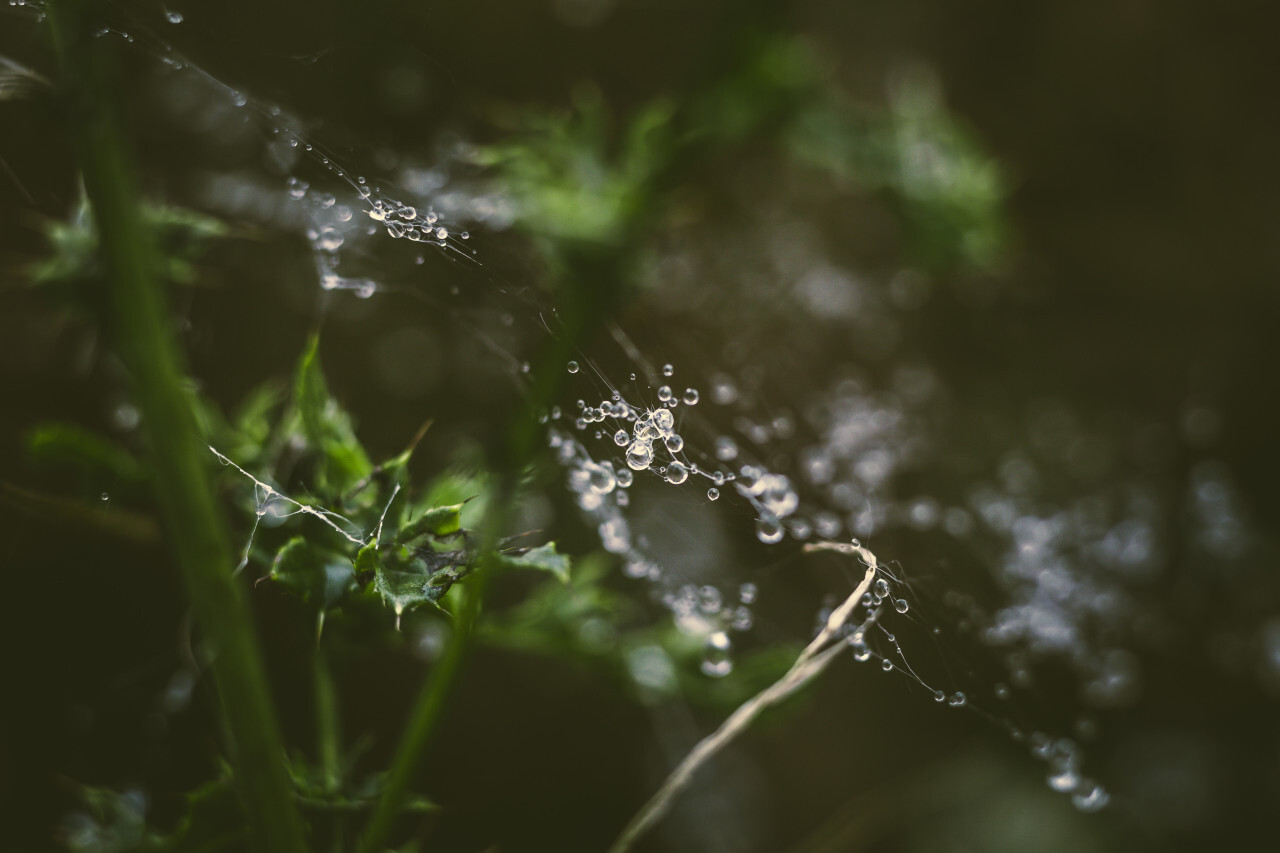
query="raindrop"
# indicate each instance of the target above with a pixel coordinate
(769, 530)
(663, 421)
(664, 393)
(1063, 780)
(173, 17)
(621, 438)
(1090, 797)
(691, 396)
(601, 478)
(639, 455)
(957, 699)
(573, 367)
(716, 660)
(668, 370)
(677, 473)
(713, 493)
(901, 605)
(329, 240)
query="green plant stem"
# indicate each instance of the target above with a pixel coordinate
(329, 736)
(139, 323)
(592, 301)
(432, 699)
(328, 724)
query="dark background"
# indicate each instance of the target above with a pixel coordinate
(1139, 139)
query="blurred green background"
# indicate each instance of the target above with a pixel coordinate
(1104, 243)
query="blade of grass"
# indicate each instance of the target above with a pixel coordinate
(138, 320)
(815, 658)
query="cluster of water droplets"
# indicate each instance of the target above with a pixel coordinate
(602, 490)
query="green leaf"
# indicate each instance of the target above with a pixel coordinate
(367, 560)
(60, 445)
(407, 577)
(318, 576)
(436, 521)
(326, 427)
(214, 821)
(544, 557)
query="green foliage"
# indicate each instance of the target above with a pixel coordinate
(569, 179)
(435, 521)
(341, 460)
(544, 558)
(585, 175)
(72, 447)
(73, 265)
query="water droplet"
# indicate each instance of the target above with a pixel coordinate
(886, 665)
(716, 659)
(297, 188)
(663, 421)
(573, 367)
(713, 493)
(173, 17)
(1090, 797)
(674, 443)
(957, 700)
(769, 530)
(601, 478)
(1002, 691)
(882, 587)
(668, 370)
(106, 497)
(639, 455)
(939, 696)
(677, 473)
(664, 393)
(691, 396)
(726, 449)
(901, 605)
(625, 478)
(329, 240)
(1063, 780)
(621, 438)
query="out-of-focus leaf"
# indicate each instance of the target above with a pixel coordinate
(545, 558)
(18, 81)
(436, 521)
(327, 428)
(63, 445)
(214, 821)
(565, 180)
(181, 236)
